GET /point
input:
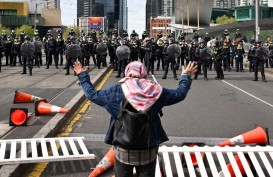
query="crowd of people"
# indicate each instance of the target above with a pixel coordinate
(156, 53)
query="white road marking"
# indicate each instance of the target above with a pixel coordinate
(248, 93)
(154, 78)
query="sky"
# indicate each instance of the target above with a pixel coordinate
(136, 14)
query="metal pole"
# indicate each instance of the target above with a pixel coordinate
(198, 13)
(182, 12)
(257, 19)
(35, 16)
(188, 14)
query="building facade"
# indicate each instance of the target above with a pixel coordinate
(114, 10)
(153, 9)
(231, 4)
(167, 8)
(160, 23)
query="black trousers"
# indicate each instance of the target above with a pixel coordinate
(151, 64)
(50, 54)
(259, 63)
(8, 58)
(27, 61)
(69, 63)
(38, 58)
(101, 60)
(203, 64)
(239, 63)
(166, 67)
(121, 67)
(218, 68)
(160, 59)
(124, 170)
(59, 55)
(15, 55)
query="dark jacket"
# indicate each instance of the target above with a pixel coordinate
(111, 98)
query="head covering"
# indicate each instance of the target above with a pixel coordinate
(140, 92)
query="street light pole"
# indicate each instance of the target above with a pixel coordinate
(35, 20)
(257, 20)
(182, 12)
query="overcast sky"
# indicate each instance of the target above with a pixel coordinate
(136, 14)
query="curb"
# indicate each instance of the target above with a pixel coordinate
(53, 126)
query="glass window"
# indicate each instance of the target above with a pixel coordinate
(8, 12)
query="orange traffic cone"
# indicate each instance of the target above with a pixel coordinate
(193, 156)
(18, 116)
(106, 163)
(41, 107)
(240, 166)
(21, 97)
(259, 136)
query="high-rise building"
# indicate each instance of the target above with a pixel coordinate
(114, 10)
(230, 4)
(167, 8)
(153, 9)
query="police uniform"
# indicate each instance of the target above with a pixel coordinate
(38, 52)
(112, 54)
(86, 53)
(217, 59)
(73, 52)
(160, 56)
(202, 59)
(60, 49)
(169, 60)
(239, 52)
(226, 56)
(134, 50)
(51, 51)
(184, 51)
(1, 54)
(144, 35)
(251, 58)
(16, 47)
(8, 45)
(27, 50)
(261, 53)
(100, 49)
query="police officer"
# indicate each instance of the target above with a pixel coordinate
(115, 33)
(201, 54)
(226, 33)
(184, 52)
(51, 51)
(217, 59)
(226, 56)
(16, 47)
(73, 52)
(134, 50)
(86, 52)
(148, 51)
(8, 45)
(13, 34)
(181, 36)
(123, 53)
(36, 33)
(160, 56)
(60, 49)
(169, 60)
(144, 35)
(207, 38)
(251, 58)
(4, 35)
(22, 36)
(100, 49)
(27, 50)
(91, 43)
(38, 51)
(196, 36)
(112, 54)
(270, 58)
(261, 53)
(239, 57)
(238, 34)
(134, 34)
(71, 32)
(125, 34)
(59, 32)
(192, 51)
(159, 34)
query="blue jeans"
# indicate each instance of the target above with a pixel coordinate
(124, 170)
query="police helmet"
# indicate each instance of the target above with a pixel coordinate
(27, 38)
(73, 38)
(202, 41)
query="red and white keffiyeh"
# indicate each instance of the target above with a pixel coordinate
(140, 92)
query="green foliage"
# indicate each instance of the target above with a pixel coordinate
(225, 20)
(28, 30)
(5, 28)
(77, 31)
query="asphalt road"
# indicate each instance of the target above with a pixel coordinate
(212, 111)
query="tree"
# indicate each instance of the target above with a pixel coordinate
(225, 20)
(65, 34)
(28, 30)
(5, 28)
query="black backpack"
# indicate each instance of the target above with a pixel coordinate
(132, 128)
